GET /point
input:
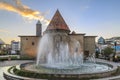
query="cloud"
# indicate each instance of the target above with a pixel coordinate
(16, 6)
(85, 4)
(4, 31)
(82, 8)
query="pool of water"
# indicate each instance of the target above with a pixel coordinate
(86, 68)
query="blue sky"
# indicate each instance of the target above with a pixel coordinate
(93, 17)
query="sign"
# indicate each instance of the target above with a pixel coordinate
(117, 48)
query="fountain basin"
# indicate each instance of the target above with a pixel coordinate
(30, 70)
(85, 68)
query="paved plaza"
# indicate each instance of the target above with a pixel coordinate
(10, 63)
(13, 62)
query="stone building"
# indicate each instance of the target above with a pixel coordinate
(57, 24)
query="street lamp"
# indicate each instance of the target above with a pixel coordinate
(115, 44)
(114, 56)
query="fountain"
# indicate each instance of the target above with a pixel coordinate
(60, 54)
(57, 50)
(61, 57)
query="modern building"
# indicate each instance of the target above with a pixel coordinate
(113, 42)
(29, 44)
(15, 47)
(2, 43)
(101, 40)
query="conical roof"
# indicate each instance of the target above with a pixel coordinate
(57, 23)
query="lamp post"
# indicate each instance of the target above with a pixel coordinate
(114, 56)
(115, 43)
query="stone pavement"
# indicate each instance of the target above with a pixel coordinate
(13, 62)
(10, 63)
(110, 78)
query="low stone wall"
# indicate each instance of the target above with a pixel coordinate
(9, 77)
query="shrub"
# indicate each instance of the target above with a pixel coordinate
(108, 51)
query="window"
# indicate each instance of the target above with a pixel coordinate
(33, 43)
(26, 38)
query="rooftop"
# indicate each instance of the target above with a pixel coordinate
(57, 23)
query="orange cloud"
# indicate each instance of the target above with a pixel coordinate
(17, 7)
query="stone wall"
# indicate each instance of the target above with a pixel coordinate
(29, 45)
(80, 38)
(89, 44)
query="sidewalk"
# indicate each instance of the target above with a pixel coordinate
(2, 56)
(13, 62)
(10, 63)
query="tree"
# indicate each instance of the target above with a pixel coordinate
(108, 51)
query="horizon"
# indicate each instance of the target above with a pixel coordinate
(92, 17)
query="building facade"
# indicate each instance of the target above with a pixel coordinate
(2, 43)
(29, 44)
(15, 47)
(101, 40)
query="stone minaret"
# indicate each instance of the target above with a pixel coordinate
(38, 28)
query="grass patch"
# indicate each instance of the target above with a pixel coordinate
(9, 70)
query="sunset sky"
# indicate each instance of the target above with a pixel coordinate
(93, 17)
